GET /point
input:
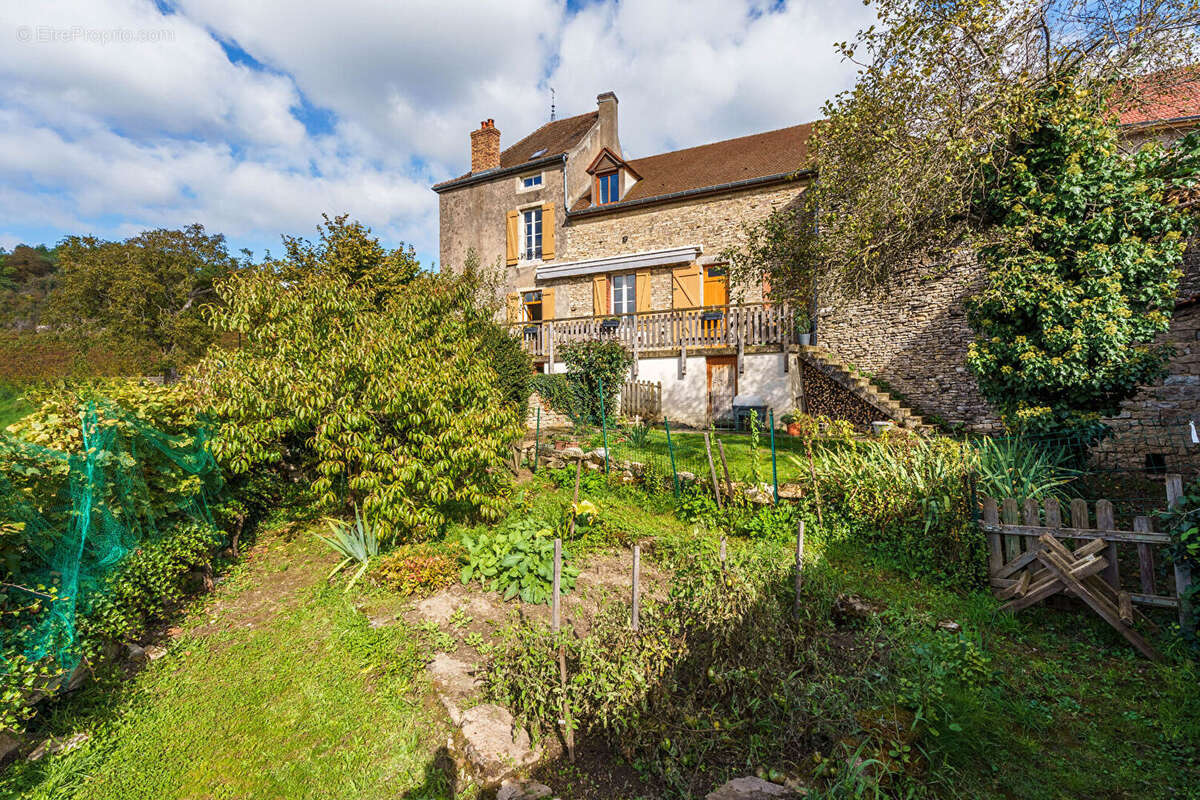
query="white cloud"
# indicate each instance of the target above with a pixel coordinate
(111, 137)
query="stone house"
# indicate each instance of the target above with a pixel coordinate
(593, 244)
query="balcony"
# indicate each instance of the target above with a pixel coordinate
(708, 328)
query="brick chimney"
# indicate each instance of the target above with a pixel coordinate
(485, 147)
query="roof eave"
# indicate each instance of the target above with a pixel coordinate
(492, 174)
(624, 205)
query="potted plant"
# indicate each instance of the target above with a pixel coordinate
(792, 422)
(803, 329)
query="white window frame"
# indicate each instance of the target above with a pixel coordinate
(525, 254)
(541, 184)
(628, 287)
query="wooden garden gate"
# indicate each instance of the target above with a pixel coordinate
(1034, 553)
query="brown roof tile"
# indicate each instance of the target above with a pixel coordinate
(1161, 97)
(553, 138)
(745, 158)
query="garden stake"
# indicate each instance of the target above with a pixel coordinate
(774, 471)
(637, 568)
(565, 721)
(537, 438)
(604, 424)
(799, 563)
(671, 450)
(712, 468)
(722, 552)
(725, 467)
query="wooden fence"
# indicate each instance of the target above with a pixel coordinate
(1014, 529)
(642, 399)
(748, 324)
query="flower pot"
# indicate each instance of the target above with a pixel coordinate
(793, 429)
(803, 339)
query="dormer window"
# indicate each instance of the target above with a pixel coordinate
(608, 188)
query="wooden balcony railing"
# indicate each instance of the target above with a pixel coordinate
(747, 324)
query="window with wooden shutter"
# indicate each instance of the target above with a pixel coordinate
(513, 306)
(512, 238)
(643, 291)
(685, 286)
(599, 295)
(547, 304)
(547, 231)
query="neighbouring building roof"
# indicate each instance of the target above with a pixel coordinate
(746, 159)
(550, 140)
(1160, 99)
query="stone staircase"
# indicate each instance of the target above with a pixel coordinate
(840, 373)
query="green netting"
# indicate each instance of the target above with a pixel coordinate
(69, 519)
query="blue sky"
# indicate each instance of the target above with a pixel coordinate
(254, 118)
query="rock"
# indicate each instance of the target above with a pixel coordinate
(556, 463)
(136, 654)
(637, 468)
(949, 626)
(490, 745)
(154, 652)
(174, 632)
(516, 790)
(571, 453)
(749, 788)
(790, 491)
(851, 607)
(593, 466)
(686, 477)
(597, 456)
(9, 744)
(52, 746)
(454, 683)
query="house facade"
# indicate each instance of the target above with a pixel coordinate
(594, 245)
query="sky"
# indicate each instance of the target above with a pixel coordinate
(254, 117)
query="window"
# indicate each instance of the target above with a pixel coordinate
(623, 294)
(531, 302)
(607, 190)
(532, 234)
(530, 181)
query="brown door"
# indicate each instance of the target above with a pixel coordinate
(716, 296)
(722, 387)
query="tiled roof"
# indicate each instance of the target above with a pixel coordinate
(1160, 98)
(745, 158)
(553, 138)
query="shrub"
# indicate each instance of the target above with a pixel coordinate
(365, 377)
(514, 368)
(419, 569)
(556, 390)
(591, 364)
(517, 560)
(1182, 521)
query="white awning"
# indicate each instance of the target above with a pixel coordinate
(650, 258)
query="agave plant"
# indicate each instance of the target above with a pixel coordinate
(1021, 468)
(356, 542)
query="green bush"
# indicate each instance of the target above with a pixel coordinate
(556, 390)
(517, 560)
(591, 364)
(514, 368)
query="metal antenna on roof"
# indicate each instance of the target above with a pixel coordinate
(552, 104)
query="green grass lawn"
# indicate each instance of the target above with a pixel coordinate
(277, 688)
(12, 405)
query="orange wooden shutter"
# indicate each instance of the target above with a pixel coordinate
(547, 304)
(513, 304)
(599, 295)
(642, 292)
(513, 239)
(547, 231)
(685, 284)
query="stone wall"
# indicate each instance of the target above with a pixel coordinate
(914, 335)
(550, 419)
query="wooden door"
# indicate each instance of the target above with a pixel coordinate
(722, 388)
(716, 296)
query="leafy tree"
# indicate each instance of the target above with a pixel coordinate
(1082, 265)
(365, 376)
(26, 278)
(901, 156)
(145, 294)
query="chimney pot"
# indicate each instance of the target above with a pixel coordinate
(485, 147)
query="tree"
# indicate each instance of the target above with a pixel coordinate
(902, 155)
(1082, 264)
(366, 377)
(144, 295)
(26, 279)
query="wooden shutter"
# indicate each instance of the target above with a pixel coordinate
(642, 291)
(547, 231)
(513, 240)
(600, 295)
(547, 304)
(685, 285)
(513, 305)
